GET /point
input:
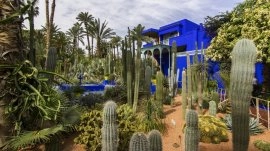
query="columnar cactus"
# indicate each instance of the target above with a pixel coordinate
(124, 61)
(189, 82)
(51, 59)
(173, 70)
(129, 78)
(155, 140)
(184, 94)
(242, 73)
(159, 87)
(109, 127)
(138, 142)
(192, 135)
(147, 80)
(212, 108)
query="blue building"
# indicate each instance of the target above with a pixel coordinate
(185, 33)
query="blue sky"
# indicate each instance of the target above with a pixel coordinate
(121, 14)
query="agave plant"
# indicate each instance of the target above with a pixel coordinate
(255, 127)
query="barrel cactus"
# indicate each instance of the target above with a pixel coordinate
(139, 142)
(192, 135)
(155, 140)
(242, 73)
(109, 128)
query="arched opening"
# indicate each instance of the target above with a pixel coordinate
(165, 61)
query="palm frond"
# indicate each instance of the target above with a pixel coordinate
(32, 138)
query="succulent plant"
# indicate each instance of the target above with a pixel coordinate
(262, 145)
(155, 140)
(109, 127)
(139, 142)
(212, 108)
(184, 94)
(241, 78)
(212, 130)
(192, 135)
(255, 127)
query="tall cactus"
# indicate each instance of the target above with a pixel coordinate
(184, 94)
(212, 108)
(192, 135)
(189, 82)
(173, 70)
(242, 73)
(159, 87)
(138, 142)
(109, 128)
(51, 59)
(124, 61)
(147, 80)
(155, 140)
(129, 78)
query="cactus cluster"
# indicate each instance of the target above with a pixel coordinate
(184, 94)
(147, 80)
(140, 142)
(109, 127)
(159, 87)
(212, 130)
(242, 73)
(192, 133)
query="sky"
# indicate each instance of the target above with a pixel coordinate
(121, 14)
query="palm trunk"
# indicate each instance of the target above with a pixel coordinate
(32, 40)
(11, 49)
(99, 53)
(92, 44)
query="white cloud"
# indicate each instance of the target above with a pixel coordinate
(121, 14)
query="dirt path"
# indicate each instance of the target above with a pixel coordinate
(172, 139)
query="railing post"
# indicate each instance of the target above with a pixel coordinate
(268, 118)
(257, 108)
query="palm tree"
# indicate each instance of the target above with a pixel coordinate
(136, 33)
(49, 22)
(100, 31)
(116, 41)
(86, 19)
(11, 51)
(76, 35)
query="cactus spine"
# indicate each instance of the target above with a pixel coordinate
(192, 131)
(242, 73)
(155, 140)
(184, 94)
(212, 108)
(109, 128)
(139, 142)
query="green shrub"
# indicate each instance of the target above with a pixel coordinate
(212, 130)
(91, 124)
(262, 145)
(91, 100)
(117, 93)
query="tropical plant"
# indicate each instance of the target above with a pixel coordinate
(49, 22)
(100, 31)
(85, 18)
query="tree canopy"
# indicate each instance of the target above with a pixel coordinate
(250, 19)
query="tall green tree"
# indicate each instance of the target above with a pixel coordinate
(116, 42)
(85, 18)
(250, 20)
(100, 32)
